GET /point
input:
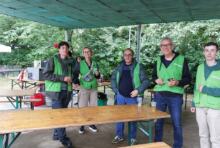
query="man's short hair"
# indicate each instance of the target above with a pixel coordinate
(129, 49)
(211, 44)
(62, 43)
(167, 38)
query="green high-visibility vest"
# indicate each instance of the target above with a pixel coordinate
(84, 69)
(174, 70)
(205, 100)
(53, 86)
(136, 77)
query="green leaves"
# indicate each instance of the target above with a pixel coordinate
(33, 41)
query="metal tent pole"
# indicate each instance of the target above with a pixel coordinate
(138, 40)
(129, 37)
(68, 37)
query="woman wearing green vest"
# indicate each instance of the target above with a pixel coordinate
(58, 76)
(170, 74)
(207, 98)
(89, 73)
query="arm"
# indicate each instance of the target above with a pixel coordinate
(186, 77)
(154, 74)
(48, 72)
(76, 71)
(97, 75)
(144, 81)
(113, 81)
(211, 91)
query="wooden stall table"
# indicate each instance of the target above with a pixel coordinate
(16, 97)
(19, 121)
(150, 145)
(25, 83)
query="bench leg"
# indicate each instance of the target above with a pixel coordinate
(32, 106)
(14, 139)
(146, 127)
(6, 141)
(17, 103)
(1, 141)
(150, 129)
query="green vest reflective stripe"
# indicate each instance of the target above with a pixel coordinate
(84, 69)
(174, 70)
(204, 100)
(53, 86)
(136, 78)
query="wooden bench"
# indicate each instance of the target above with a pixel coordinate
(31, 101)
(150, 145)
(17, 96)
(19, 120)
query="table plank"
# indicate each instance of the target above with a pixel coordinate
(150, 145)
(25, 120)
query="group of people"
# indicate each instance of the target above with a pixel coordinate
(129, 81)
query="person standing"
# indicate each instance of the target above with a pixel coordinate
(58, 75)
(89, 73)
(206, 101)
(128, 81)
(171, 74)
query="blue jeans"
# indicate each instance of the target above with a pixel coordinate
(121, 100)
(174, 104)
(61, 102)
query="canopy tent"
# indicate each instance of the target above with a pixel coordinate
(72, 14)
(103, 13)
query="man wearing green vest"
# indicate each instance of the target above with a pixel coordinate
(207, 98)
(58, 75)
(171, 74)
(89, 73)
(128, 82)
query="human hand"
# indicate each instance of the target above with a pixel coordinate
(200, 88)
(193, 109)
(67, 79)
(134, 93)
(173, 83)
(159, 81)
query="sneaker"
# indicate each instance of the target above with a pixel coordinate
(133, 141)
(66, 142)
(81, 130)
(117, 139)
(93, 128)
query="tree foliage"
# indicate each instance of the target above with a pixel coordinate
(33, 41)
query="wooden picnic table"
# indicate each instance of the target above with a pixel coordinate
(150, 145)
(19, 121)
(25, 83)
(16, 97)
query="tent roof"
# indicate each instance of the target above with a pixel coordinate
(104, 13)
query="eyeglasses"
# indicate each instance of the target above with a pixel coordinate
(127, 55)
(165, 45)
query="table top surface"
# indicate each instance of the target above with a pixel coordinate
(105, 83)
(14, 93)
(26, 120)
(150, 145)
